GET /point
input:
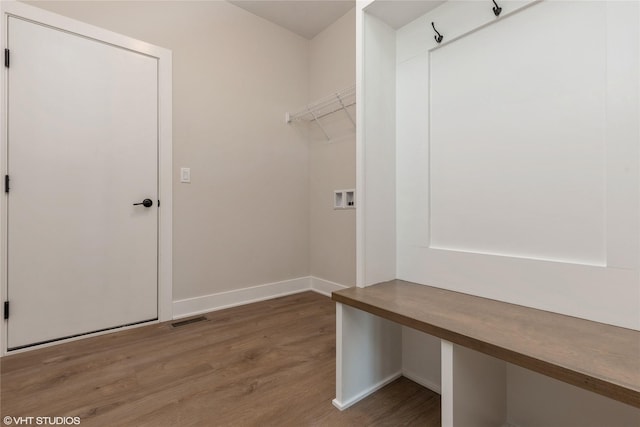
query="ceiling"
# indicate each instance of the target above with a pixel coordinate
(306, 18)
(398, 13)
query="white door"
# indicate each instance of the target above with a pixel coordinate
(82, 149)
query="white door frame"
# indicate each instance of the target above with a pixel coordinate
(164, 56)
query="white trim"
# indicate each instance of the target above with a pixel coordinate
(198, 305)
(3, 164)
(221, 300)
(325, 287)
(165, 186)
(38, 15)
(206, 303)
(165, 165)
(431, 385)
(360, 148)
(339, 354)
(344, 405)
(446, 372)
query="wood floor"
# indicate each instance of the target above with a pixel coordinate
(270, 363)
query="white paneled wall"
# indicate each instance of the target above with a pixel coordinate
(517, 163)
(375, 181)
(514, 177)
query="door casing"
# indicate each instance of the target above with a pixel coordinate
(164, 57)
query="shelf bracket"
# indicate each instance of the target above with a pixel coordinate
(345, 109)
(315, 118)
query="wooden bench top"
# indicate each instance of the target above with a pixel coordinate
(597, 357)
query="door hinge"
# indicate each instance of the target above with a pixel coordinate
(6, 310)
(6, 58)
(6, 183)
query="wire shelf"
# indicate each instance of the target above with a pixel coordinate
(338, 101)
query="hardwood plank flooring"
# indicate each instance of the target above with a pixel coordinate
(269, 363)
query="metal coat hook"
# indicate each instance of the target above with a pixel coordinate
(497, 9)
(439, 36)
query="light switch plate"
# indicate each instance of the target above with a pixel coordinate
(185, 175)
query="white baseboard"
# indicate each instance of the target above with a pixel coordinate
(212, 302)
(431, 385)
(358, 397)
(206, 303)
(325, 287)
(198, 305)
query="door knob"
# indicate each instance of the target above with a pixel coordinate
(147, 203)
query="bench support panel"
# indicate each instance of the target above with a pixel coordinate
(368, 354)
(474, 388)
